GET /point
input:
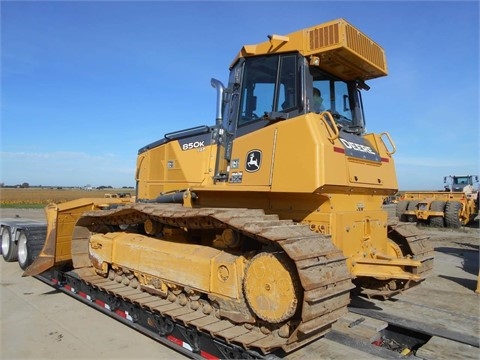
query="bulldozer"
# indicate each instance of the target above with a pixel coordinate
(269, 218)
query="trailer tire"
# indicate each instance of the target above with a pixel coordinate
(24, 256)
(401, 207)
(412, 205)
(30, 243)
(9, 247)
(452, 214)
(437, 221)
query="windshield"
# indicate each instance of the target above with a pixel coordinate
(283, 86)
(342, 99)
(461, 180)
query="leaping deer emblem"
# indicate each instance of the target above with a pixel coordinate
(253, 161)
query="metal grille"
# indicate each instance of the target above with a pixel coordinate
(342, 34)
(324, 36)
(365, 47)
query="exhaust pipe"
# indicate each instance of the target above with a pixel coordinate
(217, 84)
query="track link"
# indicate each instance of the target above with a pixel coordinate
(321, 269)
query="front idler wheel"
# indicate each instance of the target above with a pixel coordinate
(272, 288)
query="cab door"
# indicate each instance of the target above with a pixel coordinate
(269, 92)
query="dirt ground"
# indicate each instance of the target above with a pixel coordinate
(35, 214)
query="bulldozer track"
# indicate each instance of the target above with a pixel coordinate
(321, 268)
(420, 247)
(414, 244)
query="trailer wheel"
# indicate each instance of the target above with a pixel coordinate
(412, 205)
(24, 256)
(437, 221)
(30, 244)
(452, 214)
(9, 247)
(401, 207)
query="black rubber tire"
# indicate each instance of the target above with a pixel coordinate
(412, 205)
(402, 205)
(9, 247)
(30, 243)
(437, 221)
(452, 211)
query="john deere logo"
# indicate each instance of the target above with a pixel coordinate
(253, 161)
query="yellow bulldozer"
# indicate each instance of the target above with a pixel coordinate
(267, 219)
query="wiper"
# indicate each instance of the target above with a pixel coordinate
(275, 116)
(353, 129)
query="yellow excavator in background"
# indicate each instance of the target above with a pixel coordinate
(263, 219)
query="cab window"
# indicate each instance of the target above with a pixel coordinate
(269, 85)
(334, 96)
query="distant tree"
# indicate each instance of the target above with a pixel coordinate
(25, 185)
(2, 184)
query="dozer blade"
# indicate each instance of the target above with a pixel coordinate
(386, 269)
(61, 220)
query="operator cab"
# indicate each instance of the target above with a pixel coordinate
(270, 88)
(460, 183)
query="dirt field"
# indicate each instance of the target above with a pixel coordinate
(10, 196)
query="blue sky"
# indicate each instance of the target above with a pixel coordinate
(84, 85)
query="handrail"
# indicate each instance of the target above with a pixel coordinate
(332, 126)
(394, 148)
